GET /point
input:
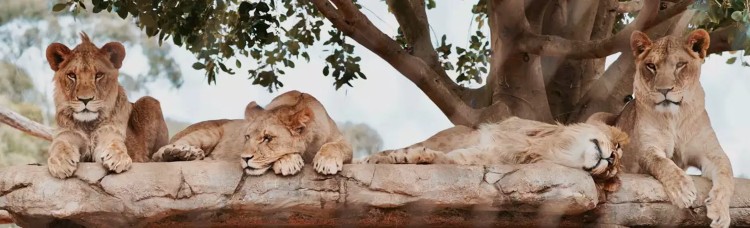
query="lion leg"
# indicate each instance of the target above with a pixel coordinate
(64, 154)
(408, 155)
(716, 166)
(678, 186)
(110, 149)
(331, 157)
(147, 130)
(192, 142)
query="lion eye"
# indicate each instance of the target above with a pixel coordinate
(681, 64)
(99, 75)
(247, 137)
(71, 76)
(651, 67)
(266, 138)
(617, 146)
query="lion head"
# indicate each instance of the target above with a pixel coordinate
(668, 69)
(85, 78)
(274, 133)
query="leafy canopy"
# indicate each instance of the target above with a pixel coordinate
(279, 33)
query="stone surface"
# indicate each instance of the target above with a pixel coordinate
(209, 193)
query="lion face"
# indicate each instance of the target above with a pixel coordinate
(668, 69)
(272, 134)
(85, 78)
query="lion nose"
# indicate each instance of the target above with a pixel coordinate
(85, 100)
(247, 158)
(664, 91)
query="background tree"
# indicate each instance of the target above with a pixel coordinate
(363, 139)
(541, 60)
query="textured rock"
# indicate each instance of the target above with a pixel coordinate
(206, 193)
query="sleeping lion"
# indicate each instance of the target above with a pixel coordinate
(593, 147)
(293, 130)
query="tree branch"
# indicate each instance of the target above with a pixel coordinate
(24, 124)
(629, 6)
(353, 23)
(648, 17)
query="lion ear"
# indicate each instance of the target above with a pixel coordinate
(602, 117)
(299, 120)
(698, 42)
(116, 53)
(252, 110)
(639, 43)
(56, 54)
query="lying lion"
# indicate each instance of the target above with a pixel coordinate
(593, 147)
(293, 130)
(95, 120)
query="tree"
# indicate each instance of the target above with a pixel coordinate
(363, 139)
(541, 60)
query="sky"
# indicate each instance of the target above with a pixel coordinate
(387, 101)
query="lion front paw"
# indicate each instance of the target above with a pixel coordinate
(115, 158)
(383, 157)
(717, 207)
(183, 152)
(289, 164)
(681, 190)
(326, 162)
(63, 160)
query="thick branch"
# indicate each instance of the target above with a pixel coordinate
(630, 6)
(441, 90)
(648, 17)
(24, 124)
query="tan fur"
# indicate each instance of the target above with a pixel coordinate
(520, 141)
(668, 138)
(113, 131)
(293, 130)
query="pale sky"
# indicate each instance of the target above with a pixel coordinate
(387, 101)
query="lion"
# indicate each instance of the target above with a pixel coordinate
(293, 130)
(95, 120)
(669, 125)
(592, 146)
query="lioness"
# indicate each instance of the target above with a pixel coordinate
(669, 124)
(293, 130)
(593, 147)
(94, 118)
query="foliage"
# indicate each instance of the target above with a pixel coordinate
(18, 94)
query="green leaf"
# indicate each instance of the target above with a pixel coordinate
(737, 16)
(59, 7)
(731, 60)
(325, 71)
(198, 66)
(238, 63)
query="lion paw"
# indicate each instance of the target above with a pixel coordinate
(717, 208)
(415, 155)
(173, 152)
(289, 164)
(326, 163)
(63, 160)
(115, 158)
(383, 157)
(681, 191)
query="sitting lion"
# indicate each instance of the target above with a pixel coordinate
(94, 118)
(293, 130)
(669, 124)
(593, 147)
